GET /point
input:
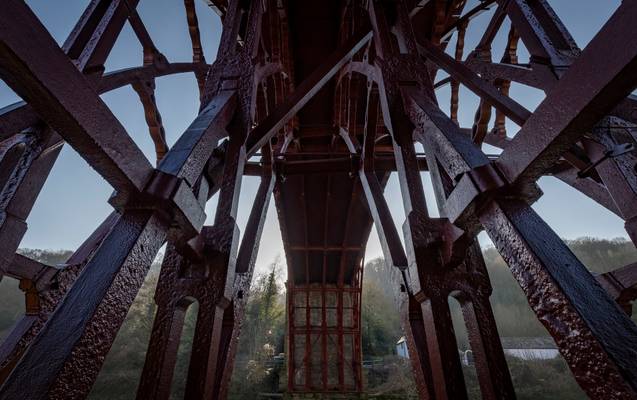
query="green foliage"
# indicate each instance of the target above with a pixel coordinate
(601, 256)
(544, 379)
(262, 338)
(11, 305)
(178, 389)
(264, 321)
(513, 315)
(391, 380)
(122, 368)
(533, 380)
(380, 322)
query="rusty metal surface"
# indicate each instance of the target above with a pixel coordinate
(80, 323)
(333, 95)
(595, 340)
(61, 95)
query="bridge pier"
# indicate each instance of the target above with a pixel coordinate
(324, 339)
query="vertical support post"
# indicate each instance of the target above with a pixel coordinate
(423, 235)
(493, 373)
(214, 279)
(491, 367)
(243, 276)
(558, 286)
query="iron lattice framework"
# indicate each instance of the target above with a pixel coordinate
(331, 96)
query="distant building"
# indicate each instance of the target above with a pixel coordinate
(401, 348)
(530, 348)
(466, 357)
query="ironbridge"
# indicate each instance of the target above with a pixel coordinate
(322, 100)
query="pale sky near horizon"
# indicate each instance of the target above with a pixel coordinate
(73, 201)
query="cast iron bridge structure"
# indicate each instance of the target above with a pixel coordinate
(322, 99)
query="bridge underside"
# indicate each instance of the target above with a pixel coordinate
(323, 100)
(325, 224)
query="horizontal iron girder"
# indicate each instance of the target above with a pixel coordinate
(37, 69)
(325, 166)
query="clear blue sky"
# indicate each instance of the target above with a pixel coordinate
(73, 201)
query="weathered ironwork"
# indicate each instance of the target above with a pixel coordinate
(333, 96)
